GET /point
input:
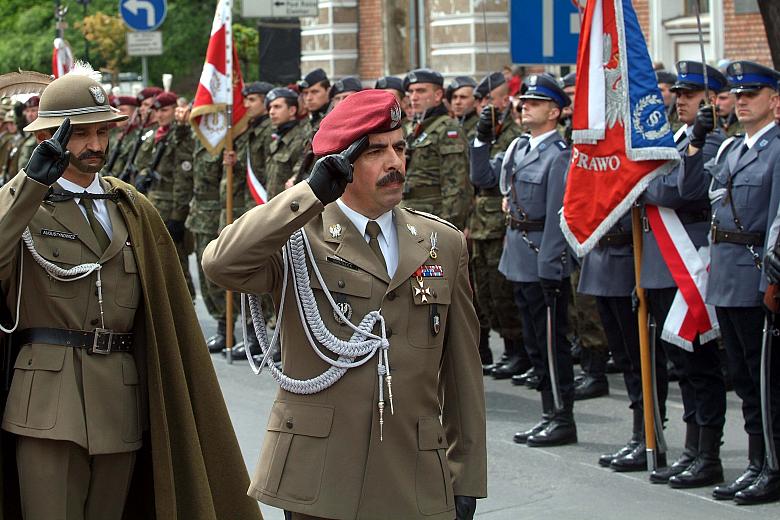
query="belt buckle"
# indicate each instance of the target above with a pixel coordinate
(102, 342)
(714, 233)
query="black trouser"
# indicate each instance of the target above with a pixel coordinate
(742, 330)
(622, 331)
(533, 311)
(701, 380)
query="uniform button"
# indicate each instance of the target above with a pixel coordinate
(56, 253)
(294, 205)
(95, 321)
(341, 283)
(289, 424)
(391, 295)
(29, 362)
(13, 191)
(440, 439)
(389, 333)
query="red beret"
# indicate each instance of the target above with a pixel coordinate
(165, 99)
(32, 102)
(149, 92)
(124, 100)
(362, 113)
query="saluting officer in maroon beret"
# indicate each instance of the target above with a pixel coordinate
(386, 298)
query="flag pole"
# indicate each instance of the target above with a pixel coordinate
(229, 171)
(644, 342)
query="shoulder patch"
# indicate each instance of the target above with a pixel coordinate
(147, 135)
(432, 217)
(562, 145)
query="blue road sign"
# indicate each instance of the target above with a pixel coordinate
(143, 15)
(544, 31)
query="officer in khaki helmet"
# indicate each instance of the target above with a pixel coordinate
(437, 164)
(104, 341)
(373, 442)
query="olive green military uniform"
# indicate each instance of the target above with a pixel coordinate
(11, 164)
(469, 125)
(126, 146)
(283, 152)
(322, 454)
(5, 148)
(437, 176)
(171, 192)
(305, 162)
(731, 125)
(26, 149)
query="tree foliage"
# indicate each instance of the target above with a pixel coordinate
(107, 33)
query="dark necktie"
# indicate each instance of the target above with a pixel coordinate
(373, 231)
(97, 229)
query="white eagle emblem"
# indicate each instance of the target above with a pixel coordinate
(614, 86)
(97, 94)
(395, 113)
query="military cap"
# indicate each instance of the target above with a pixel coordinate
(664, 76)
(165, 99)
(390, 83)
(75, 96)
(280, 92)
(312, 78)
(124, 100)
(148, 92)
(488, 83)
(544, 86)
(9, 117)
(257, 87)
(690, 76)
(458, 82)
(348, 84)
(32, 102)
(367, 112)
(748, 76)
(423, 76)
(570, 79)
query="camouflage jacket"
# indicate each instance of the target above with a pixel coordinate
(469, 125)
(437, 169)
(283, 152)
(487, 219)
(126, 146)
(26, 150)
(305, 162)
(11, 165)
(205, 206)
(171, 188)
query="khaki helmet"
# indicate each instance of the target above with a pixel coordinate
(76, 96)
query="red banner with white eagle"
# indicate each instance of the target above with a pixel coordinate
(220, 85)
(61, 58)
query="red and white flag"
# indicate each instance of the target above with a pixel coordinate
(219, 89)
(61, 58)
(256, 187)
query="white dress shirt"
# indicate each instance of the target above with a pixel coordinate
(753, 139)
(388, 238)
(98, 205)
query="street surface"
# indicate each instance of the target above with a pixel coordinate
(562, 483)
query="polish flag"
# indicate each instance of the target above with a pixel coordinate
(256, 187)
(219, 89)
(61, 58)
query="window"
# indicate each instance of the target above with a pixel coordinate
(690, 6)
(745, 6)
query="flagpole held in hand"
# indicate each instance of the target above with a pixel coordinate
(229, 174)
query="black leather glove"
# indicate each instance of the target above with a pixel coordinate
(704, 124)
(465, 507)
(50, 158)
(329, 177)
(551, 289)
(176, 229)
(772, 266)
(485, 124)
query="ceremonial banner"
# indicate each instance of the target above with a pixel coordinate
(61, 58)
(622, 138)
(220, 85)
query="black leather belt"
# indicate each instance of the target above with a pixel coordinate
(737, 237)
(616, 240)
(691, 217)
(489, 192)
(525, 225)
(99, 341)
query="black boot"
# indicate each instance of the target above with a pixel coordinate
(516, 364)
(706, 470)
(561, 430)
(251, 340)
(636, 437)
(766, 488)
(485, 354)
(663, 474)
(217, 342)
(755, 463)
(547, 415)
(594, 384)
(519, 379)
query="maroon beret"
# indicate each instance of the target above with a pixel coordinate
(124, 100)
(149, 92)
(165, 99)
(362, 113)
(32, 102)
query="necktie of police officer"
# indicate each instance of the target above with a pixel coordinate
(373, 231)
(97, 228)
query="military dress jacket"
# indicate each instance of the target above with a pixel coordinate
(736, 279)
(692, 208)
(60, 392)
(322, 454)
(608, 270)
(539, 181)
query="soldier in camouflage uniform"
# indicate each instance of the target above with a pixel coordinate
(392, 84)
(286, 144)
(437, 176)
(10, 150)
(315, 91)
(147, 128)
(727, 115)
(167, 160)
(124, 136)
(29, 143)
(463, 104)
(7, 131)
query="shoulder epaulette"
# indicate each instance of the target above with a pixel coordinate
(432, 217)
(562, 145)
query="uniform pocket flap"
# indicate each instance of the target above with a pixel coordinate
(40, 358)
(342, 280)
(451, 148)
(59, 250)
(489, 204)
(312, 420)
(430, 434)
(532, 175)
(433, 290)
(745, 179)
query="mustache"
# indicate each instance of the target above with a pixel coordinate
(91, 155)
(392, 176)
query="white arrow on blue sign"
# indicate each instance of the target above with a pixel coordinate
(143, 15)
(544, 31)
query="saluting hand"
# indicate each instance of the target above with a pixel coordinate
(329, 177)
(486, 123)
(703, 125)
(50, 158)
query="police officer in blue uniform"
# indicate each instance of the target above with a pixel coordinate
(744, 190)
(700, 378)
(532, 176)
